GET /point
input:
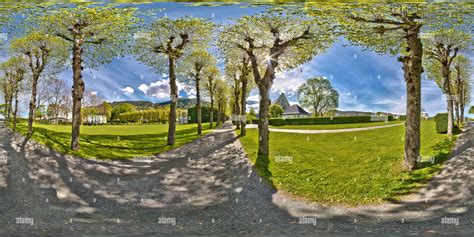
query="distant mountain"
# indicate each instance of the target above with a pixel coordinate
(183, 103)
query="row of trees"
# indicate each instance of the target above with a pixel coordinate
(254, 48)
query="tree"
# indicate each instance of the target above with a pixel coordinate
(14, 70)
(275, 42)
(238, 68)
(168, 40)
(471, 110)
(441, 47)
(211, 75)
(97, 34)
(221, 96)
(120, 109)
(58, 98)
(43, 52)
(395, 28)
(276, 111)
(105, 109)
(318, 94)
(462, 73)
(194, 65)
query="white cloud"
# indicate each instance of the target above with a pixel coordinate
(161, 89)
(93, 92)
(128, 90)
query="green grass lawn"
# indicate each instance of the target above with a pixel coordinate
(347, 168)
(336, 126)
(114, 141)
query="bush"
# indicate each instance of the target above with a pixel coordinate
(249, 119)
(205, 114)
(441, 120)
(403, 118)
(327, 120)
(276, 121)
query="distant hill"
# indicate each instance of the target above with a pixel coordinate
(183, 103)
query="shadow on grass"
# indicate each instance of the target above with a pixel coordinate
(427, 168)
(112, 146)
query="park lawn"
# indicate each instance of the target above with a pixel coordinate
(335, 126)
(352, 168)
(114, 141)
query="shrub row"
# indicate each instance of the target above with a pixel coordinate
(441, 121)
(319, 120)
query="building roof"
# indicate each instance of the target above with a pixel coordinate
(282, 101)
(295, 109)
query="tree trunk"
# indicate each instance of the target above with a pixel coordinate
(412, 67)
(77, 94)
(218, 113)
(211, 119)
(456, 108)
(243, 107)
(263, 131)
(174, 101)
(15, 111)
(447, 92)
(198, 106)
(462, 112)
(32, 108)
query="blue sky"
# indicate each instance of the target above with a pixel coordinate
(365, 80)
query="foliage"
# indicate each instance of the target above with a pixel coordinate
(121, 108)
(276, 111)
(441, 120)
(205, 114)
(319, 95)
(104, 30)
(166, 37)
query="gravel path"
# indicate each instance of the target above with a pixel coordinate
(205, 187)
(316, 131)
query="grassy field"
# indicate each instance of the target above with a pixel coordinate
(336, 126)
(347, 168)
(114, 141)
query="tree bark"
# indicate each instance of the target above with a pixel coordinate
(263, 131)
(243, 106)
(447, 92)
(15, 111)
(456, 108)
(218, 113)
(174, 101)
(412, 67)
(77, 94)
(211, 119)
(32, 105)
(198, 105)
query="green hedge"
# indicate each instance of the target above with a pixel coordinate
(441, 120)
(319, 120)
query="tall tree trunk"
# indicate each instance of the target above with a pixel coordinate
(456, 108)
(243, 106)
(77, 94)
(31, 112)
(198, 105)
(15, 111)
(218, 113)
(174, 101)
(263, 131)
(447, 92)
(412, 67)
(211, 119)
(462, 111)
